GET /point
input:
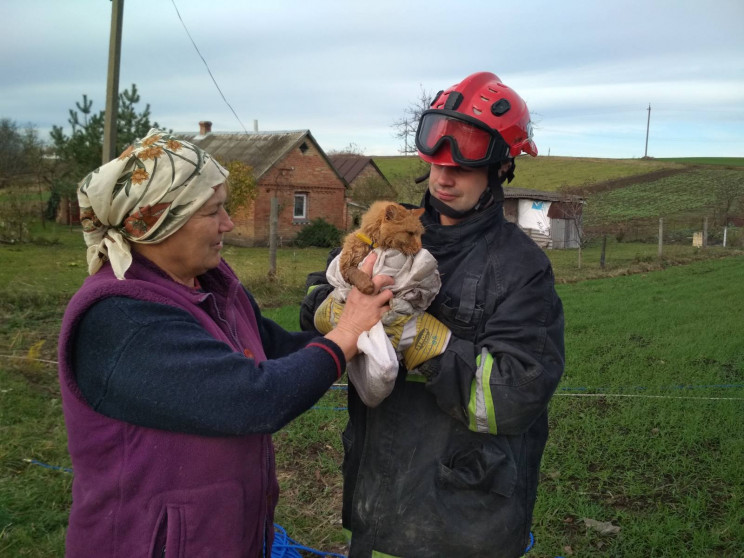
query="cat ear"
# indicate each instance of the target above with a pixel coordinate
(418, 212)
(391, 211)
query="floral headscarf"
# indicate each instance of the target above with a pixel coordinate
(144, 196)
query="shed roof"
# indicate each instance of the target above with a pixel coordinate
(527, 193)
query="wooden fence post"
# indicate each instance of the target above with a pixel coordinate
(273, 230)
(705, 232)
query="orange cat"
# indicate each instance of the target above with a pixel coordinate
(386, 225)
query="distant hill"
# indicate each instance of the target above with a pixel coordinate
(551, 173)
(617, 190)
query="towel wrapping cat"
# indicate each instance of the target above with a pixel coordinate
(394, 234)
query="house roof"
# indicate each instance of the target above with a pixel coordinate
(260, 150)
(526, 193)
(350, 166)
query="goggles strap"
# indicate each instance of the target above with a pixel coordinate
(421, 178)
(493, 192)
(484, 201)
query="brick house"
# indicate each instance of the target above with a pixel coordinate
(290, 166)
(366, 184)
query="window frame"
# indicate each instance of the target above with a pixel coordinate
(304, 197)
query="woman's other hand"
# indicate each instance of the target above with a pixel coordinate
(361, 311)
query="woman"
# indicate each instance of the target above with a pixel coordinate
(171, 380)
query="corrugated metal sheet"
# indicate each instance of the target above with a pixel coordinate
(537, 195)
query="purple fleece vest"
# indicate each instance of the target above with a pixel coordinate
(140, 491)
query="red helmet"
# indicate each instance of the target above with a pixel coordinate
(482, 121)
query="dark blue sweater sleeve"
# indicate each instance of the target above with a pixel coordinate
(277, 341)
(154, 365)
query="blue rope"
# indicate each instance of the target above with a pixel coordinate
(532, 543)
(285, 547)
(47, 466)
(643, 388)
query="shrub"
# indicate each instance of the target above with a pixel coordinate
(319, 233)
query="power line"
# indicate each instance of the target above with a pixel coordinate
(207, 66)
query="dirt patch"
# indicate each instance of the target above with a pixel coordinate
(615, 183)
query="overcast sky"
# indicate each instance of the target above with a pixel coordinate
(347, 69)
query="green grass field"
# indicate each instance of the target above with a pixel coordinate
(676, 195)
(646, 424)
(554, 173)
(707, 161)
(543, 173)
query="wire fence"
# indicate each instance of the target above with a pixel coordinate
(698, 231)
(22, 212)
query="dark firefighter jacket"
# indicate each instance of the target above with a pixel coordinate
(447, 465)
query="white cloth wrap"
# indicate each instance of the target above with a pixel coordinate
(417, 282)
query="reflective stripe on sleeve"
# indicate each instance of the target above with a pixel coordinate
(375, 553)
(482, 416)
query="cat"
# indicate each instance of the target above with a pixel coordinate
(386, 225)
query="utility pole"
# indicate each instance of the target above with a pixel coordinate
(112, 82)
(648, 122)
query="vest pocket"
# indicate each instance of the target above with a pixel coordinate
(211, 520)
(167, 540)
(489, 468)
(449, 316)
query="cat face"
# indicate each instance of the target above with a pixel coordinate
(395, 227)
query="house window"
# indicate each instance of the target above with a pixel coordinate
(304, 147)
(300, 207)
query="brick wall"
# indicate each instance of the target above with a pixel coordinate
(302, 171)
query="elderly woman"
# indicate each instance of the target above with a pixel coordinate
(172, 382)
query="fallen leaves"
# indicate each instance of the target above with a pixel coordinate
(602, 527)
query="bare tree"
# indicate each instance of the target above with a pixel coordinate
(405, 127)
(727, 196)
(572, 207)
(351, 149)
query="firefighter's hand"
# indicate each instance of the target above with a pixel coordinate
(418, 338)
(328, 314)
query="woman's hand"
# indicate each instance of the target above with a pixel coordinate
(361, 311)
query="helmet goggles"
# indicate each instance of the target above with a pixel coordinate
(472, 143)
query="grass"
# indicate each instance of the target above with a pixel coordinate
(674, 195)
(663, 464)
(645, 431)
(708, 161)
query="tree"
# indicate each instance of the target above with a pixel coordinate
(373, 188)
(405, 127)
(727, 196)
(572, 205)
(20, 152)
(242, 185)
(20, 168)
(81, 151)
(351, 149)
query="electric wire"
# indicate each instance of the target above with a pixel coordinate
(208, 69)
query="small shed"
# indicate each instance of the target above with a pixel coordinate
(551, 219)
(287, 165)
